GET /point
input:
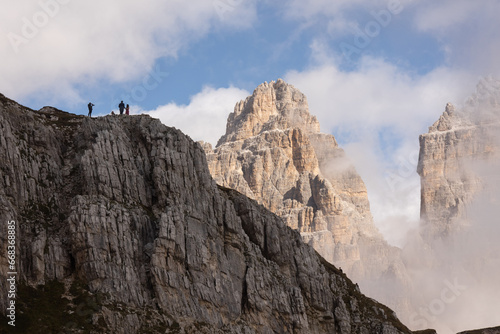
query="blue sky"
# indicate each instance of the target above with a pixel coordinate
(189, 62)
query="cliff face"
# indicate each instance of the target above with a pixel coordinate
(459, 167)
(453, 157)
(273, 151)
(120, 228)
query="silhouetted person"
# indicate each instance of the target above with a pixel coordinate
(122, 107)
(127, 110)
(90, 105)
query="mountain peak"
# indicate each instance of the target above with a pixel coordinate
(272, 106)
(274, 153)
(482, 108)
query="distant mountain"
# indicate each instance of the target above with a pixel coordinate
(455, 155)
(459, 167)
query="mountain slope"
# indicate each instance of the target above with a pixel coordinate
(120, 228)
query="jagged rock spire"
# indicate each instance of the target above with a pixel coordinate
(274, 105)
(273, 152)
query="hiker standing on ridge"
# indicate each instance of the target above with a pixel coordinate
(127, 110)
(121, 106)
(90, 105)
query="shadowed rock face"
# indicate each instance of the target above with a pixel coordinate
(273, 151)
(121, 229)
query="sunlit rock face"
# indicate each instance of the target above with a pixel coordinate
(273, 151)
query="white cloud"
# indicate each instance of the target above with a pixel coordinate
(378, 94)
(377, 113)
(466, 30)
(339, 16)
(49, 46)
(444, 15)
(313, 8)
(204, 118)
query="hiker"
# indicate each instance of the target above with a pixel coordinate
(121, 106)
(127, 109)
(90, 105)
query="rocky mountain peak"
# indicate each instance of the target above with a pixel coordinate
(273, 152)
(460, 138)
(450, 108)
(449, 120)
(482, 108)
(272, 106)
(459, 168)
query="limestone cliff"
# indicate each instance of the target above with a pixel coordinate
(453, 157)
(459, 166)
(121, 229)
(273, 151)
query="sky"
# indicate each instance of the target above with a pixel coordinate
(377, 73)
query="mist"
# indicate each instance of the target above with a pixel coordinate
(455, 279)
(451, 282)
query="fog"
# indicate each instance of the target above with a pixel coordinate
(454, 279)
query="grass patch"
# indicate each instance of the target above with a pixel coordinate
(55, 117)
(44, 310)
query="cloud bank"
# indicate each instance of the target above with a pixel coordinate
(204, 118)
(377, 113)
(53, 46)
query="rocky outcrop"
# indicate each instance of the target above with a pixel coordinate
(453, 157)
(459, 167)
(274, 153)
(121, 229)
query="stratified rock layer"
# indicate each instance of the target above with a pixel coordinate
(273, 152)
(121, 228)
